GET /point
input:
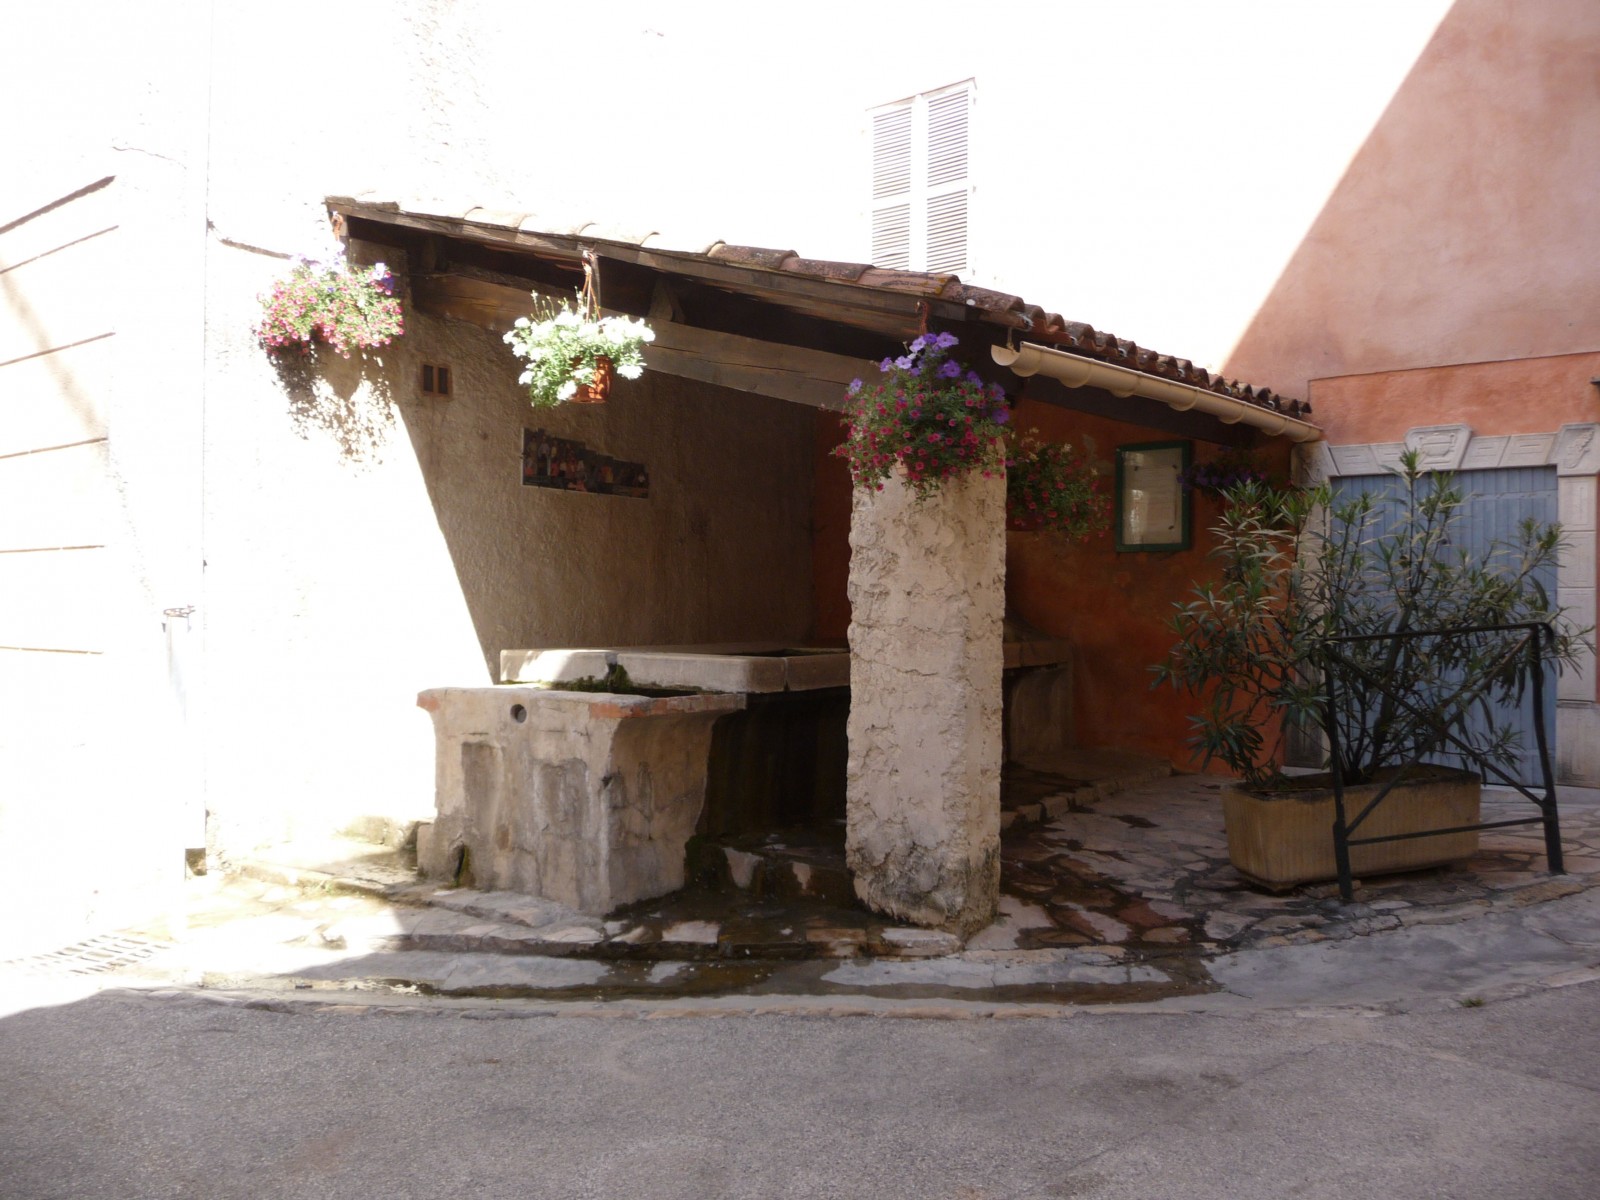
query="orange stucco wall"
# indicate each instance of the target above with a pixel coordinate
(1466, 227)
(1112, 606)
(1531, 395)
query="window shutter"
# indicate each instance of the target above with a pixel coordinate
(947, 232)
(891, 237)
(891, 153)
(920, 182)
(947, 139)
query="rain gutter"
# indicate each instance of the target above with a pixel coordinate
(1075, 371)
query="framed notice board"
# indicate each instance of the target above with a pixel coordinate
(1152, 501)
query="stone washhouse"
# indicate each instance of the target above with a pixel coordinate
(894, 699)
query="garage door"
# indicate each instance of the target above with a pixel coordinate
(1497, 503)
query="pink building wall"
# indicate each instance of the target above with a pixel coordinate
(1465, 229)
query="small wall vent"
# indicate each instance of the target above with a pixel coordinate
(435, 379)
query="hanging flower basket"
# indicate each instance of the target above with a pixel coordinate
(1051, 486)
(572, 352)
(1229, 469)
(926, 416)
(342, 306)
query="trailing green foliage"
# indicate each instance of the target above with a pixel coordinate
(1252, 647)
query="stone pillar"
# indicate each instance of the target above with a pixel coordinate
(927, 600)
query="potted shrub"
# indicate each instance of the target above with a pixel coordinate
(573, 352)
(1251, 647)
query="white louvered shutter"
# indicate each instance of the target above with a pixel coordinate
(891, 188)
(921, 182)
(946, 222)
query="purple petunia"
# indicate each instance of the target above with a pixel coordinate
(1000, 416)
(945, 340)
(905, 362)
(855, 386)
(950, 370)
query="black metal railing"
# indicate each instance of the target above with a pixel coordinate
(1437, 727)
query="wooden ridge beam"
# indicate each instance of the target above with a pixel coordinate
(795, 373)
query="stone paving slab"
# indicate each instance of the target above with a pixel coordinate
(1460, 960)
(1105, 869)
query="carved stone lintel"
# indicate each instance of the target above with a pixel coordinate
(1578, 450)
(1439, 447)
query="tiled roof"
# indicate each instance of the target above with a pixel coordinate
(1014, 312)
(998, 308)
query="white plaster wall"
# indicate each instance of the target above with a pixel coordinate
(339, 566)
(97, 780)
(364, 543)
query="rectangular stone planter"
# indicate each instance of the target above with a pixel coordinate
(1283, 839)
(585, 798)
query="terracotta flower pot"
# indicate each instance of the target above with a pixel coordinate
(599, 387)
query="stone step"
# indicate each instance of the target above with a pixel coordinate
(1080, 978)
(691, 926)
(351, 865)
(1045, 787)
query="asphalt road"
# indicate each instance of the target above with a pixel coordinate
(125, 1096)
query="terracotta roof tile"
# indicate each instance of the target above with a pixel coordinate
(497, 218)
(753, 256)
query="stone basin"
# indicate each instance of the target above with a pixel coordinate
(748, 667)
(585, 798)
(1037, 719)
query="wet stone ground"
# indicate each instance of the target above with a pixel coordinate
(1112, 890)
(1146, 868)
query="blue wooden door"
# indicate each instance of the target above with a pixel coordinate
(1497, 502)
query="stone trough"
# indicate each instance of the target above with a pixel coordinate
(589, 796)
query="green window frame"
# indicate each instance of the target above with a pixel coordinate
(1152, 501)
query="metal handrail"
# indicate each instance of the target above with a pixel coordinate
(1444, 736)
